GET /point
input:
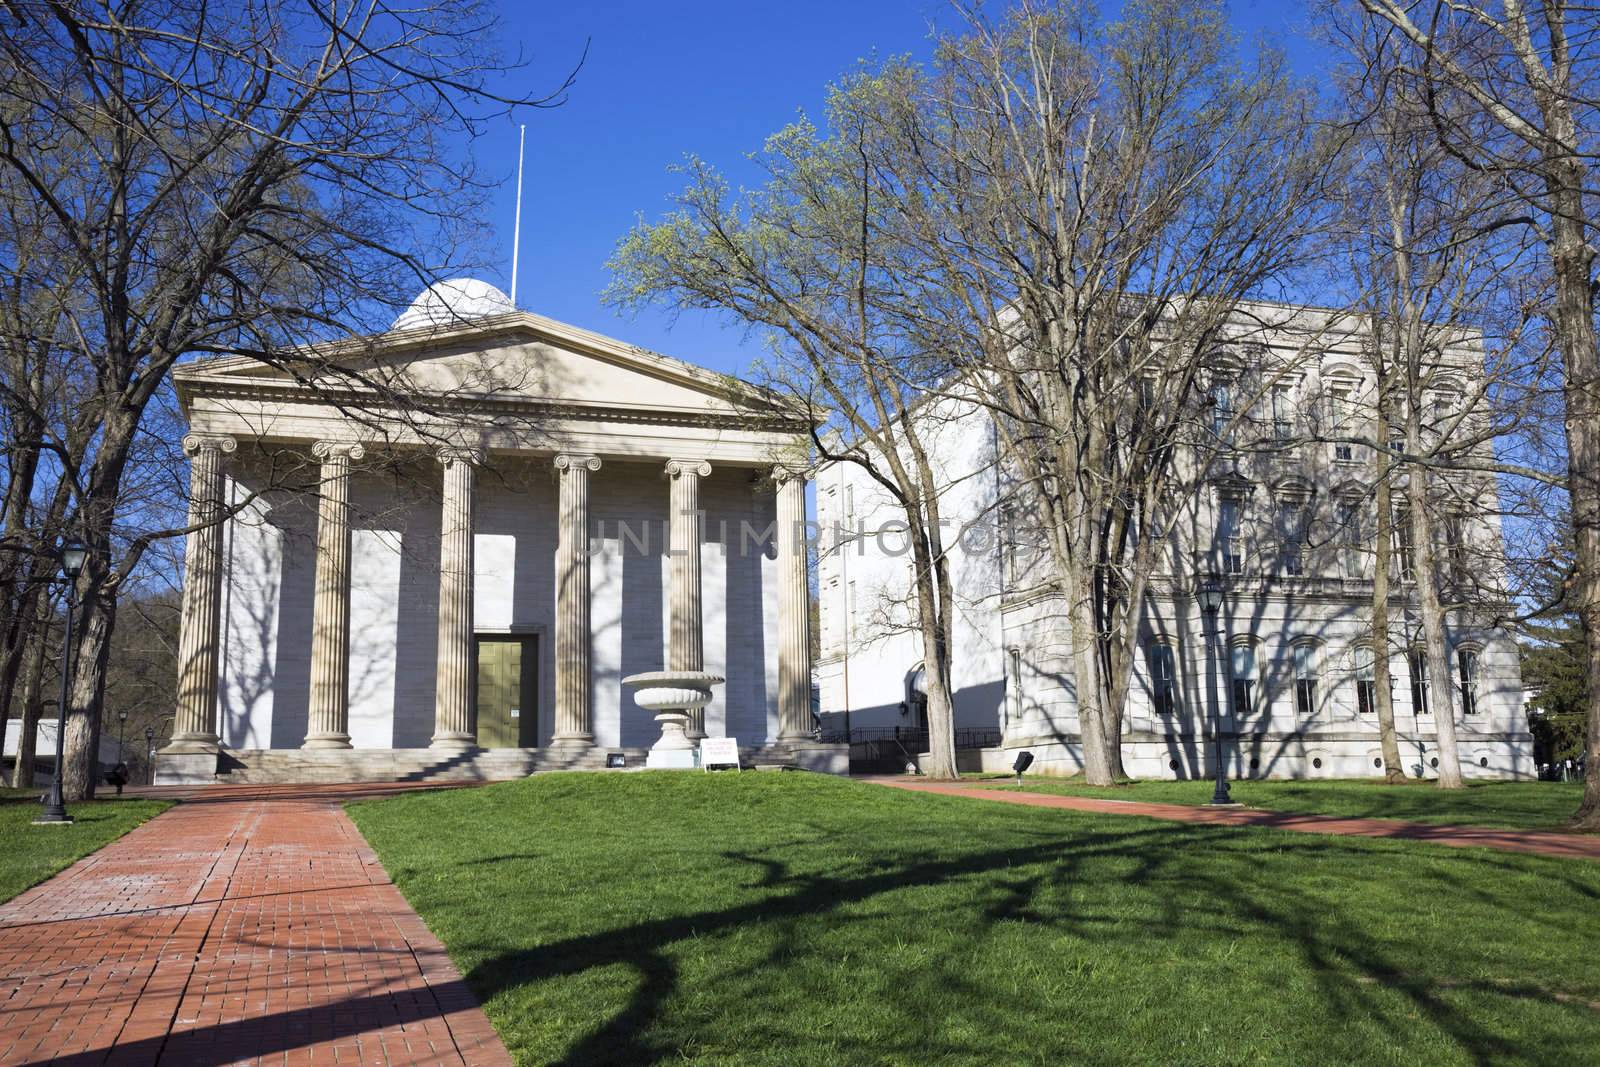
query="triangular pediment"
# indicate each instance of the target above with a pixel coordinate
(518, 358)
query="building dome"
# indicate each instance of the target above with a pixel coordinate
(448, 302)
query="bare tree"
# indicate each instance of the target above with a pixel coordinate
(239, 180)
(802, 258)
(1533, 85)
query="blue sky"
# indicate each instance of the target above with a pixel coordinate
(664, 79)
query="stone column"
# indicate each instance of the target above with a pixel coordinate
(328, 721)
(453, 719)
(794, 615)
(572, 602)
(195, 725)
(685, 641)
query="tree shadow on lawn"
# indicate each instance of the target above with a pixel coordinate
(1349, 965)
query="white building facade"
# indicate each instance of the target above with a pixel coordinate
(1285, 676)
(444, 558)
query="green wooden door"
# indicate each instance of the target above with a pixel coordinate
(505, 698)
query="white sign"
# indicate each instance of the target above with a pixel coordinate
(720, 752)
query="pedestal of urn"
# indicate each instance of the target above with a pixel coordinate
(672, 695)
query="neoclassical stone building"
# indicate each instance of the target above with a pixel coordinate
(437, 551)
(1277, 509)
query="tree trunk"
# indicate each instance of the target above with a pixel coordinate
(91, 652)
(1440, 689)
(1098, 767)
(1574, 321)
(31, 692)
(1382, 684)
(941, 761)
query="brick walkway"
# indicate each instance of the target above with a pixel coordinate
(241, 926)
(1543, 843)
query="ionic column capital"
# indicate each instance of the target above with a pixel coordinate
(678, 467)
(208, 442)
(574, 461)
(351, 450)
(453, 454)
(790, 472)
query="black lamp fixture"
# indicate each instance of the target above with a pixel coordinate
(1209, 595)
(1024, 761)
(72, 555)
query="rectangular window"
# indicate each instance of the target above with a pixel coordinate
(1366, 687)
(1016, 685)
(1455, 548)
(1222, 411)
(1305, 680)
(1229, 535)
(1405, 556)
(1242, 668)
(1467, 663)
(1282, 413)
(1163, 679)
(1347, 518)
(1417, 664)
(1340, 422)
(1292, 528)
(1008, 543)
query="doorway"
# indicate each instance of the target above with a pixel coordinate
(506, 690)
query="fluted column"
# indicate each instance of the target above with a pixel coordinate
(685, 641)
(572, 602)
(453, 725)
(195, 725)
(328, 721)
(794, 615)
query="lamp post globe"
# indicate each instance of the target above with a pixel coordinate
(72, 555)
(1209, 595)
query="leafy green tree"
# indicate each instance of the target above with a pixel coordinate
(1558, 712)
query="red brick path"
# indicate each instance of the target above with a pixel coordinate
(1543, 843)
(242, 926)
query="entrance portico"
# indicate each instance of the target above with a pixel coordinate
(499, 476)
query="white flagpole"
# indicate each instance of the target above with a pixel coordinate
(516, 226)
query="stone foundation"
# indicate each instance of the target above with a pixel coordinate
(290, 765)
(1505, 757)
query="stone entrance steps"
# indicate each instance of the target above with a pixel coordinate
(288, 765)
(272, 766)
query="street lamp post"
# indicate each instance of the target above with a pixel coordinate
(150, 755)
(1209, 594)
(55, 808)
(122, 736)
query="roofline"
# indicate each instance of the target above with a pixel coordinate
(197, 374)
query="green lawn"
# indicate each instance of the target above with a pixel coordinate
(801, 919)
(29, 854)
(1518, 805)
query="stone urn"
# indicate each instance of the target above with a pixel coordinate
(672, 695)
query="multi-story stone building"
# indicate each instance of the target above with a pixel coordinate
(1278, 508)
